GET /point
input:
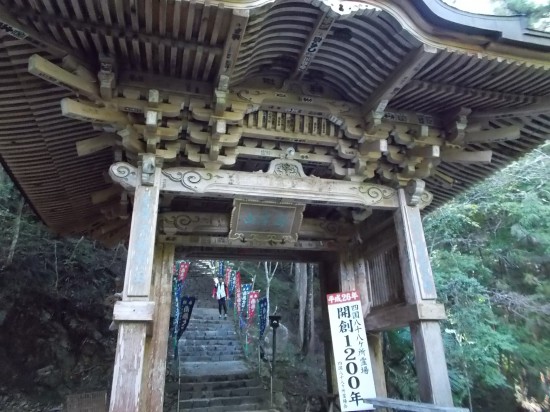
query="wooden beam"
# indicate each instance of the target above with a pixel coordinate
(184, 223)
(133, 311)
(224, 242)
(399, 405)
(54, 74)
(406, 69)
(394, 317)
(88, 113)
(230, 184)
(314, 42)
(494, 135)
(235, 36)
(462, 156)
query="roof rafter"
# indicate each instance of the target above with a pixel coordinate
(115, 31)
(409, 66)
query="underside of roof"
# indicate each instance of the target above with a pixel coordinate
(412, 71)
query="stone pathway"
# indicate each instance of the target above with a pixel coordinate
(213, 374)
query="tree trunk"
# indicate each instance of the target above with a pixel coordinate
(16, 230)
(309, 321)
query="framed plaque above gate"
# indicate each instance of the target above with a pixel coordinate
(265, 222)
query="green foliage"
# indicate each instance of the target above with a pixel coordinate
(490, 256)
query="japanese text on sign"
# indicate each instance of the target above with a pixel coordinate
(351, 351)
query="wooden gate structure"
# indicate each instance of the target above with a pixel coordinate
(313, 130)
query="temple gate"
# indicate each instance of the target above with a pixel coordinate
(298, 130)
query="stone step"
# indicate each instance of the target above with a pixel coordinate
(208, 350)
(253, 407)
(210, 341)
(242, 392)
(216, 385)
(225, 402)
(210, 358)
(222, 333)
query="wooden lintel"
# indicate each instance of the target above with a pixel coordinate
(406, 69)
(187, 223)
(95, 144)
(133, 311)
(225, 242)
(393, 317)
(229, 184)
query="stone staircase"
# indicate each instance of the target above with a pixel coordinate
(213, 375)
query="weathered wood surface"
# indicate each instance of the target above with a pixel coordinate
(413, 254)
(139, 263)
(134, 311)
(431, 367)
(158, 345)
(128, 372)
(183, 223)
(393, 317)
(399, 405)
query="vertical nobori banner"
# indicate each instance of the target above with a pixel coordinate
(351, 351)
(238, 296)
(262, 303)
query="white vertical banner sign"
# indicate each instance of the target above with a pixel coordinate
(351, 351)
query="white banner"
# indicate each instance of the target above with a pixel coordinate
(351, 351)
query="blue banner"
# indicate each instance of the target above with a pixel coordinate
(263, 314)
(221, 273)
(232, 282)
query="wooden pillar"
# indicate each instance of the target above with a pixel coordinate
(135, 312)
(418, 281)
(374, 339)
(157, 343)
(328, 272)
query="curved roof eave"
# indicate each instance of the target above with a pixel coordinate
(512, 29)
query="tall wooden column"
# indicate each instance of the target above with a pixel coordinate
(418, 281)
(156, 348)
(136, 310)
